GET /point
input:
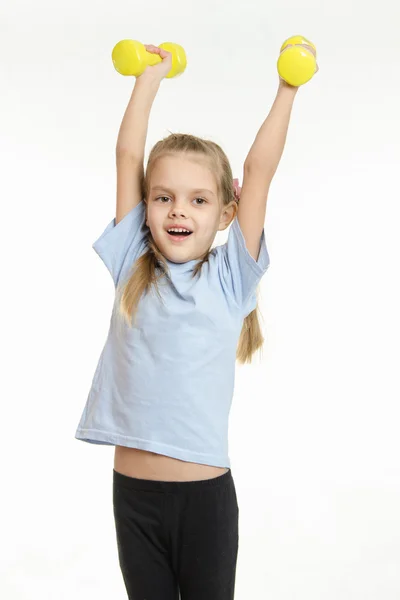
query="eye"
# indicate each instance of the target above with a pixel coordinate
(162, 198)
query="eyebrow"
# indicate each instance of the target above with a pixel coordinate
(161, 187)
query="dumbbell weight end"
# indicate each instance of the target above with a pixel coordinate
(296, 64)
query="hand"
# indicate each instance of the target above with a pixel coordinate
(282, 82)
(160, 70)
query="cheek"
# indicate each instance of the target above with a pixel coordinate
(154, 217)
(156, 226)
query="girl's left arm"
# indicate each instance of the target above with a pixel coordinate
(260, 166)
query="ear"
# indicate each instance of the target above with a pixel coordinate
(227, 215)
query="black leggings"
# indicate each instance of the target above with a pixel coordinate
(177, 537)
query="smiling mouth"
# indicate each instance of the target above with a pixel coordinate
(179, 236)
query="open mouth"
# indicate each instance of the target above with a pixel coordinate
(179, 235)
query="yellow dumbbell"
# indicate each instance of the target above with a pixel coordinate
(131, 58)
(296, 64)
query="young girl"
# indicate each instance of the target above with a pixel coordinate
(183, 313)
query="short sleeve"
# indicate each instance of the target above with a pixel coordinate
(239, 272)
(121, 244)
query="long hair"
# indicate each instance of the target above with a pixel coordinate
(152, 266)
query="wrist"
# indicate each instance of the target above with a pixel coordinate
(286, 88)
(148, 81)
(286, 94)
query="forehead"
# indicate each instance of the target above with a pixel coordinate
(184, 173)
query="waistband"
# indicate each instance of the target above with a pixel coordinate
(151, 485)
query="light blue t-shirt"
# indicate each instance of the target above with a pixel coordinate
(166, 384)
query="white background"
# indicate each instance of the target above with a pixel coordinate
(314, 429)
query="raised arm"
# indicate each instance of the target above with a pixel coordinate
(132, 135)
(268, 146)
(260, 167)
(262, 162)
(133, 131)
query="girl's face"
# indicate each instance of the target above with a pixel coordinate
(183, 193)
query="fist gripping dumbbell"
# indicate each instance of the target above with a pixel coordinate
(296, 64)
(131, 58)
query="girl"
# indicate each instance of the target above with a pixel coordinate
(183, 312)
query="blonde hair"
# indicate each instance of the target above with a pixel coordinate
(152, 266)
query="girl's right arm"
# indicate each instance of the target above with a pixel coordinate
(133, 132)
(131, 146)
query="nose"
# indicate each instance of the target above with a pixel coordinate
(178, 211)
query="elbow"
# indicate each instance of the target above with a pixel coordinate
(253, 164)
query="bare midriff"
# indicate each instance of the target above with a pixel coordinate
(142, 464)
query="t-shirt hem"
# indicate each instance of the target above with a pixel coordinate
(96, 436)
